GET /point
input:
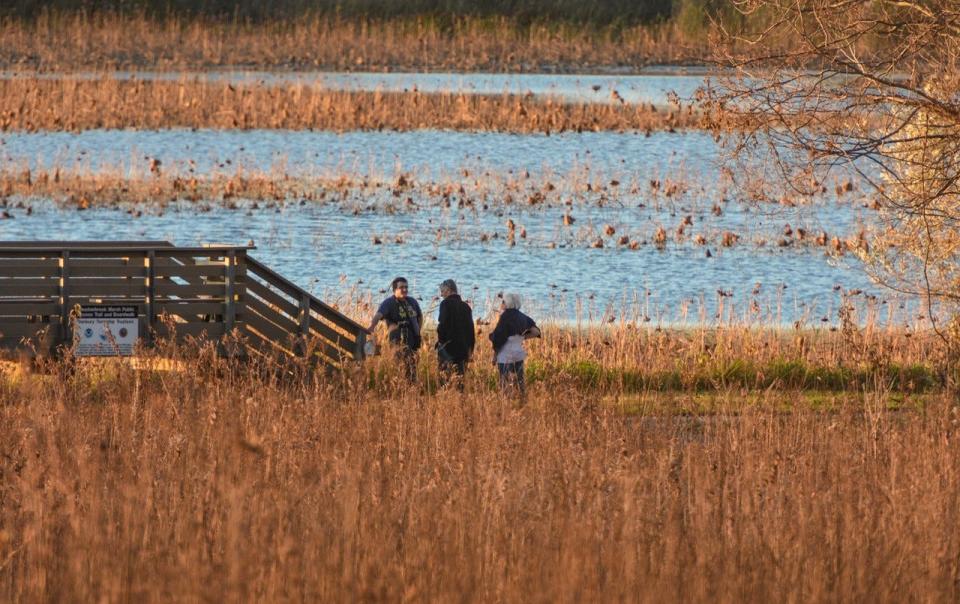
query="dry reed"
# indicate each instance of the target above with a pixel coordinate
(233, 482)
(102, 41)
(79, 104)
(151, 185)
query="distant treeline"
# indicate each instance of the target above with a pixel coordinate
(598, 13)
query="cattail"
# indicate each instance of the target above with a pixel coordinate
(660, 237)
(729, 239)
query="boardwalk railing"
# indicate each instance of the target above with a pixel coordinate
(208, 292)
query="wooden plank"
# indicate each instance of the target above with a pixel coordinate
(332, 353)
(29, 308)
(52, 288)
(106, 281)
(107, 271)
(191, 290)
(264, 272)
(116, 262)
(212, 331)
(282, 321)
(26, 330)
(191, 272)
(27, 281)
(276, 327)
(341, 341)
(261, 346)
(30, 271)
(271, 297)
(336, 317)
(53, 261)
(58, 244)
(269, 330)
(85, 288)
(188, 308)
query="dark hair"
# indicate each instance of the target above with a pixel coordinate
(398, 281)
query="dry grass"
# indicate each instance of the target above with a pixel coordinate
(231, 483)
(67, 43)
(79, 104)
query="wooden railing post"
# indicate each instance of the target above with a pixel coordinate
(304, 321)
(359, 351)
(65, 296)
(151, 293)
(231, 309)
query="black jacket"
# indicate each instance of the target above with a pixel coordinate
(512, 323)
(455, 335)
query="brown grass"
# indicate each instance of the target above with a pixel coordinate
(66, 43)
(79, 104)
(233, 483)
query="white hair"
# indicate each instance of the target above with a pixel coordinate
(511, 301)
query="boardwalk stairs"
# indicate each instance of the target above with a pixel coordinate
(199, 292)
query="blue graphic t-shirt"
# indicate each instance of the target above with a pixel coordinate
(406, 315)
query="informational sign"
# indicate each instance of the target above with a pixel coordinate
(106, 330)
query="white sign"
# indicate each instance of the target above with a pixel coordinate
(106, 330)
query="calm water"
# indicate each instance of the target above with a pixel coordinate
(329, 247)
(331, 251)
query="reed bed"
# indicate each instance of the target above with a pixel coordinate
(235, 481)
(103, 41)
(664, 213)
(79, 104)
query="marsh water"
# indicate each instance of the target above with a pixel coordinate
(354, 240)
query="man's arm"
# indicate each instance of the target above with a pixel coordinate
(442, 323)
(471, 330)
(373, 322)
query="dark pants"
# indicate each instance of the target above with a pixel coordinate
(511, 375)
(452, 370)
(408, 359)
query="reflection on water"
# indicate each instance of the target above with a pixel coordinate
(427, 153)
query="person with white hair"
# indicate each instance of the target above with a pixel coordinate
(512, 329)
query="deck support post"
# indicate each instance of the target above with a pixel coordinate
(304, 322)
(65, 327)
(151, 309)
(230, 316)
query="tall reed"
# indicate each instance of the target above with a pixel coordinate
(80, 104)
(237, 482)
(57, 42)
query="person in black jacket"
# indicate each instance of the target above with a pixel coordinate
(455, 334)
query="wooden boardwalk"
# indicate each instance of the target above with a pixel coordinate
(203, 292)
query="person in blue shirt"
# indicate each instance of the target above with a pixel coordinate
(404, 318)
